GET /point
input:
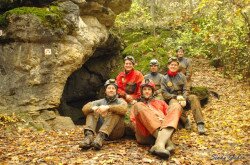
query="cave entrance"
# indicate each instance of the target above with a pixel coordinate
(81, 87)
(86, 83)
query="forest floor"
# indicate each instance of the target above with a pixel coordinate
(226, 140)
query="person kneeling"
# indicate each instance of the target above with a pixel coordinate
(154, 121)
(107, 114)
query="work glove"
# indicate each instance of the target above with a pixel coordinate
(181, 100)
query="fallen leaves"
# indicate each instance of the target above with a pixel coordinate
(226, 140)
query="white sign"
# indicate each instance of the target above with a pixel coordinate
(47, 51)
(1, 32)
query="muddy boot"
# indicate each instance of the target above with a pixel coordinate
(201, 128)
(188, 124)
(86, 143)
(161, 141)
(97, 143)
(170, 146)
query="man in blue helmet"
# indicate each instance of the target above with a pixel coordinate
(110, 112)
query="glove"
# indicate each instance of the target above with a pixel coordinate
(181, 100)
(133, 102)
(183, 103)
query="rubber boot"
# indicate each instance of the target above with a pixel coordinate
(87, 141)
(161, 141)
(155, 133)
(97, 143)
(170, 146)
(188, 124)
(201, 128)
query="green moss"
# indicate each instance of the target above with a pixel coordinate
(134, 36)
(3, 21)
(145, 50)
(117, 69)
(50, 16)
(201, 92)
(143, 46)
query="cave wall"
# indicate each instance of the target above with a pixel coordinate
(86, 83)
(40, 53)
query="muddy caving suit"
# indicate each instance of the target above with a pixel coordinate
(177, 85)
(156, 78)
(129, 83)
(148, 116)
(112, 124)
(186, 68)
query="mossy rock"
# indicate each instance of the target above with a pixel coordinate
(202, 93)
(216, 62)
(6, 5)
(50, 16)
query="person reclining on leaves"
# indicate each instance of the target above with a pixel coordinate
(129, 81)
(154, 122)
(110, 112)
(156, 77)
(174, 89)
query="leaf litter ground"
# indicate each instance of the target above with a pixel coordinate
(226, 141)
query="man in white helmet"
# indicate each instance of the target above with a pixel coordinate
(185, 65)
(129, 81)
(107, 114)
(156, 77)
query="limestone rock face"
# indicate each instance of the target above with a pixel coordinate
(105, 10)
(54, 60)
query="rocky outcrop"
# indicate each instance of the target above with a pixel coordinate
(43, 48)
(85, 83)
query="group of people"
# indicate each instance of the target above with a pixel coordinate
(154, 102)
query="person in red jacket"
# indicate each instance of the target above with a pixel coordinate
(129, 81)
(154, 122)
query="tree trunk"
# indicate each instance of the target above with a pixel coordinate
(152, 12)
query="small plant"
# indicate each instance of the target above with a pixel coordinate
(7, 119)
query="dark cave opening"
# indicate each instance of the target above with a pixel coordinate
(86, 83)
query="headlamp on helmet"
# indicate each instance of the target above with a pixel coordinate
(148, 83)
(179, 48)
(171, 59)
(110, 82)
(130, 58)
(154, 62)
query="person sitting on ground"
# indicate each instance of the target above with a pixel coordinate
(174, 88)
(156, 77)
(185, 65)
(107, 114)
(154, 122)
(129, 81)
